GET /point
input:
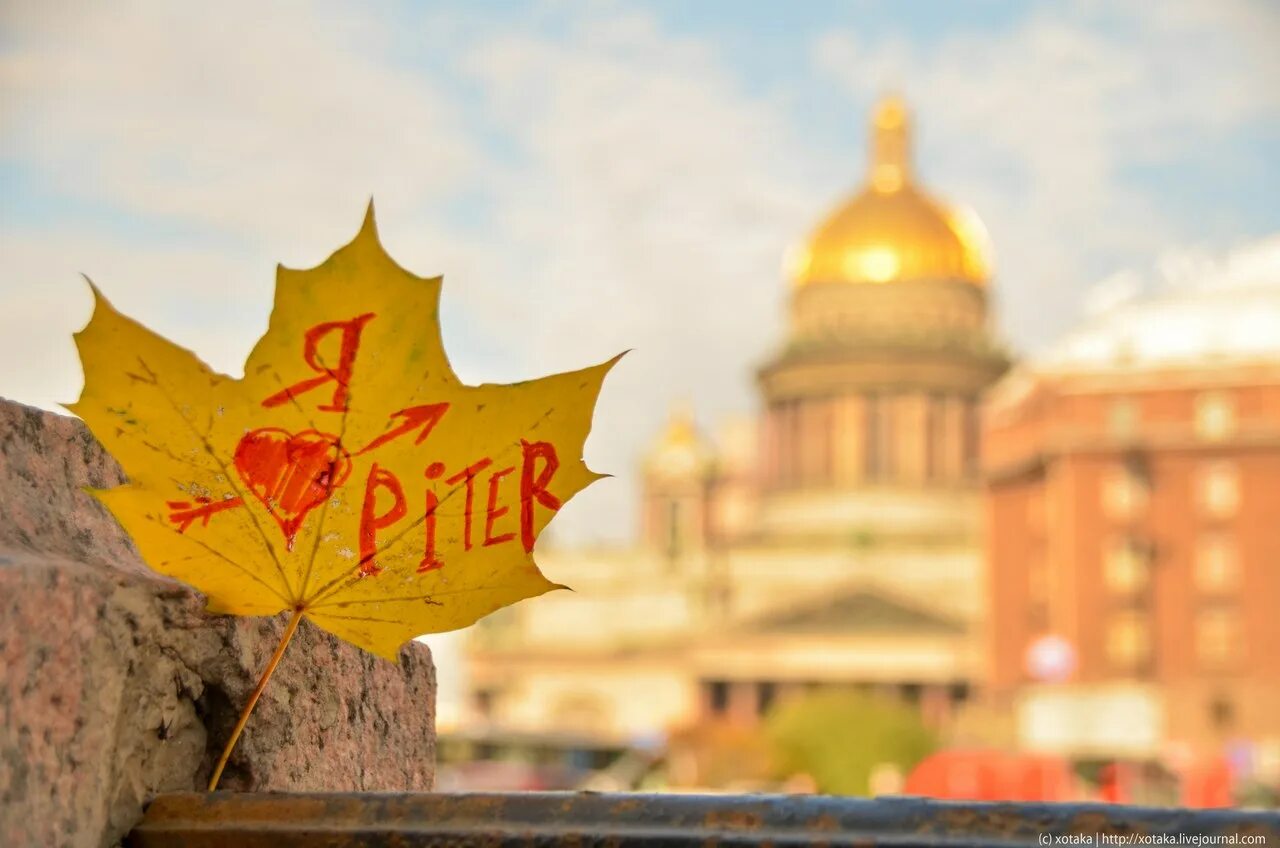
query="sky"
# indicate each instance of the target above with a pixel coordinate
(599, 176)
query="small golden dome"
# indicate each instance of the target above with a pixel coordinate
(680, 450)
(892, 230)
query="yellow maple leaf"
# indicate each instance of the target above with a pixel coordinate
(349, 477)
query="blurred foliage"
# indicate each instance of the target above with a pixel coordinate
(838, 737)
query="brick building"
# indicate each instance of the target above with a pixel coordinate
(1133, 533)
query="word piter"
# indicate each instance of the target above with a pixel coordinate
(292, 473)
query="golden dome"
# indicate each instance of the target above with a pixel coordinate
(680, 450)
(892, 230)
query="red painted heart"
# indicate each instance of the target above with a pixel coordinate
(291, 474)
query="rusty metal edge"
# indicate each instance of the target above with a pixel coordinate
(199, 820)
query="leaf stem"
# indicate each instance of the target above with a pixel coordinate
(289, 630)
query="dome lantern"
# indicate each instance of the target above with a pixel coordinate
(890, 146)
(892, 230)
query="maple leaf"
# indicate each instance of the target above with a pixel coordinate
(349, 477)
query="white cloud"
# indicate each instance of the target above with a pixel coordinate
(1254, 264)
(1036, 127)
(636, 196)
(263, 121)
(647, 204)
(1194, 307)
(653, 214)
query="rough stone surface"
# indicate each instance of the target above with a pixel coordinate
(115, 686)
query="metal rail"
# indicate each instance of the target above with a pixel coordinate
(269, 820)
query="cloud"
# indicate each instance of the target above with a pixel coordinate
(1195, 307)
(1041, 126)
(1253, 264)
(637, 198)
(652, 213)
(263, 122)
(603, 184)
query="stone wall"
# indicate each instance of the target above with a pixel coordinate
(115, 686)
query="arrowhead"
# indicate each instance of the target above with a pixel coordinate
(425, 416)
(412, 418)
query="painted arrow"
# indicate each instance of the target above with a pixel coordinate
(424, 417)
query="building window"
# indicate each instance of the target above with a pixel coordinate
(1122, 419)
(675, 527)
(1222, 713)
(1125, 493)
(794, 440)
(1218, 641)
(879, 437)
(1035, 514)
(1215, 416)
(1218, 489)
(1038, 615)
(1128, 640)
(1217, 564)
(1126, 566)
(717, 697)
(766, 694)
(935, 436)
(1037, 578)
(972, 436)
(826, 425)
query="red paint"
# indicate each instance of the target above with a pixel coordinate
(469, 475)
(534, 488)
(185, 513)
(371, 522)
(425, 417)
(291, 474)
(492, 513)
(430, 560)
(340, 376)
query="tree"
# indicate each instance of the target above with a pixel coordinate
(838, 737)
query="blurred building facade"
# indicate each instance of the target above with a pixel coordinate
(835, 539)
(1133, 519)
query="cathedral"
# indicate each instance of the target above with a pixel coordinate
(834, 539)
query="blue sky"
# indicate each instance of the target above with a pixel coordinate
(628, 174)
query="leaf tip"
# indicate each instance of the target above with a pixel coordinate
(100, 302)
(369, 227)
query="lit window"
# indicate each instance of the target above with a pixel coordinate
(1125, 567)
(1219, 489)
(1218, 640)
(1217, 566)
(1215, 416)
(1122, 418)
(1124, 493)
(1128, 639)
